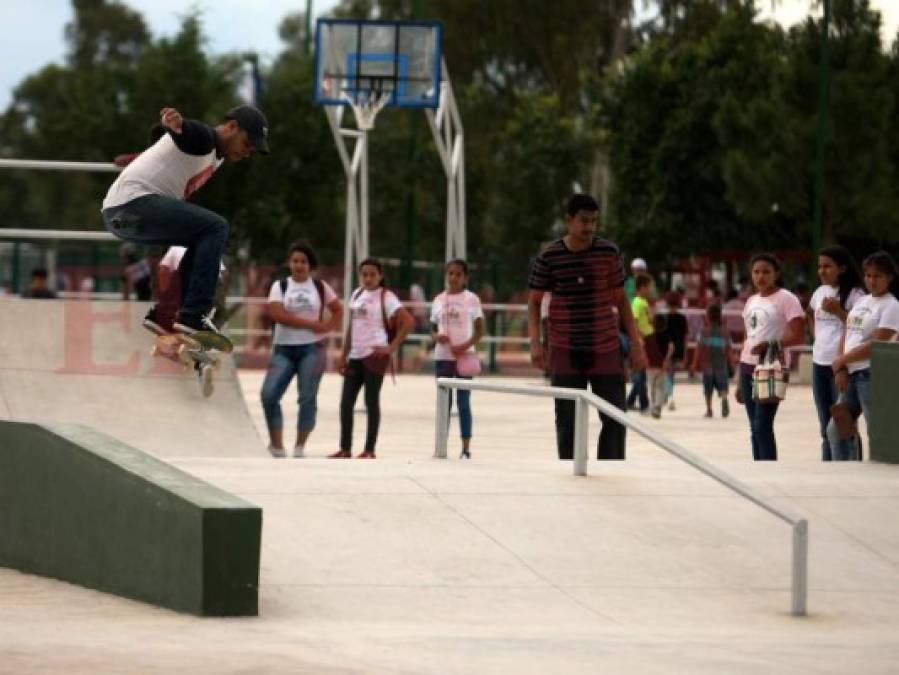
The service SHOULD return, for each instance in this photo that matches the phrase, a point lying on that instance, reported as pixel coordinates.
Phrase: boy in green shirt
(643, 317)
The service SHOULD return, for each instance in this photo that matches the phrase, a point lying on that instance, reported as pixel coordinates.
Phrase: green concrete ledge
(884, 422)
(80, 506)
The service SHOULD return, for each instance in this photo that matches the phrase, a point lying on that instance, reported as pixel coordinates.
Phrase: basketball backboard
(359, 62)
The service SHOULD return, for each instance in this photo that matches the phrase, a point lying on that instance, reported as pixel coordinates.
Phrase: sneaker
(708, 413)
(465, 454)
(657, 411)
(298, 452)
(340, 454)
(368, 454)
(154, 323)
(725, 407)
(194, 323)
(671, 405)
(277, 453)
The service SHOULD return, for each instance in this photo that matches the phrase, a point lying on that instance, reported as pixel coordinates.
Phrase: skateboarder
(146, 202)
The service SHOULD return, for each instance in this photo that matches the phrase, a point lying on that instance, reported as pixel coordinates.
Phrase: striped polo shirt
(582, 311)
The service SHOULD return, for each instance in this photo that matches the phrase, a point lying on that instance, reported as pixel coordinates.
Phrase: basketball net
(366, 108)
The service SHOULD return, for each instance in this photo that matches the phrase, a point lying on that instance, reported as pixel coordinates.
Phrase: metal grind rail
(583, 401)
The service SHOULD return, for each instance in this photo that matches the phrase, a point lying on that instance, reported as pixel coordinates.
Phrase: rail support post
(581, 427)
(800, 568)
(441, 422)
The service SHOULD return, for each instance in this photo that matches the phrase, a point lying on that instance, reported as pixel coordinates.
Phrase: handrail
(583, 400)
(55, 165)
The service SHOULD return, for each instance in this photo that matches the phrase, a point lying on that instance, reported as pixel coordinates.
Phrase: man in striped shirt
(588, 309)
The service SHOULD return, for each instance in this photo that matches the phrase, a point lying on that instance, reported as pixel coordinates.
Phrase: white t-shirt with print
(868, 315)
(301, 299)
(454, 315)
(766, 319)
(829, 328)
(367, 320)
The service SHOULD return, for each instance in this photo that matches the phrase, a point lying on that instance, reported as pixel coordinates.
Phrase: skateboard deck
(193, 352)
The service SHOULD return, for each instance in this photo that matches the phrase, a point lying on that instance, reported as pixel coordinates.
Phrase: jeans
(154, 219)
(448, 369)
(824, 389)
(307, 362)
(638, 390)
(858, 396)
(761, 420)
(357, 376)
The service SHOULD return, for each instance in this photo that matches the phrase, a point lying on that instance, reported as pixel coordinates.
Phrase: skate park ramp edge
(89, 362)
(80, 506)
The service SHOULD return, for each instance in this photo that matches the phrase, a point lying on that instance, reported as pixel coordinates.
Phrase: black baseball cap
(252, 121)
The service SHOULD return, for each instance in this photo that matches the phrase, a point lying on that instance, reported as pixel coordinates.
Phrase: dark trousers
(761, 420)
(154, 219)
(824, 390)
(577, 370)
(356, 377)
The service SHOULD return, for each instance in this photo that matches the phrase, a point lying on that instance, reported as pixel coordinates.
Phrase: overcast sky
(33, 29)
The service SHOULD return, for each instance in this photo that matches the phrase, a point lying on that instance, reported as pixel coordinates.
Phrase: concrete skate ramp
(89, 363)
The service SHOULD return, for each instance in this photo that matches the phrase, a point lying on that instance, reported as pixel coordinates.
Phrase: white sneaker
(276, 452)
(299, 453)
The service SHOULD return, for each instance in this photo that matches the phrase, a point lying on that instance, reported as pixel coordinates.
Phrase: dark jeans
(356, 377)
(824, 390)
(448, 369)
(154, 219)
(577, 372)
(761, 420)
(638, 390)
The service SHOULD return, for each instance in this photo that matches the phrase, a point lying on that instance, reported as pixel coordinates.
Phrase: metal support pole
(581, 428)
(823, 129)
(441, 422)
(800, 568)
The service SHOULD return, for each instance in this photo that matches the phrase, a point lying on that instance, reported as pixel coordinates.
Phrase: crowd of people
(848, 311)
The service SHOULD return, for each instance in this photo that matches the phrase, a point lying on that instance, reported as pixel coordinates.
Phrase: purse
(468, 365)
(769, 381)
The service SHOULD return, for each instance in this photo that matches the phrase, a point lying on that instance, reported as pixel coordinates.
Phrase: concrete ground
(509, 564)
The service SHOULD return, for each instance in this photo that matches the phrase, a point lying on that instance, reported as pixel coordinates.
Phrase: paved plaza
(509, 563)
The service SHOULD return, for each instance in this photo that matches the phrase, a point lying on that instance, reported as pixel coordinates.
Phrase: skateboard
(196, 351)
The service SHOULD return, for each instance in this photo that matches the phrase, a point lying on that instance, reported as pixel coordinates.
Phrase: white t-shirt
(766, 319)
(828, 327)
(368, 322)
(868, 315)
(301, 299)
(164, 169)
(454, 315)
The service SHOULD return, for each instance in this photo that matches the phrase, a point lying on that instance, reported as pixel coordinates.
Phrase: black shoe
(194, 323)
(725, 408)
(153, 322)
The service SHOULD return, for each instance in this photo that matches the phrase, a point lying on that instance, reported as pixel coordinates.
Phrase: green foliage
(703, 118)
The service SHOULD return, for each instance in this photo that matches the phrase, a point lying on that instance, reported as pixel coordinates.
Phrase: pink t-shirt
(454, 315)
(766, 319)
(368, 322)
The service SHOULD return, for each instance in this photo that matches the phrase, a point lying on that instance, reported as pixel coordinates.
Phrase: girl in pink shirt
(368, 346)
(772, 316)
(458, 327)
